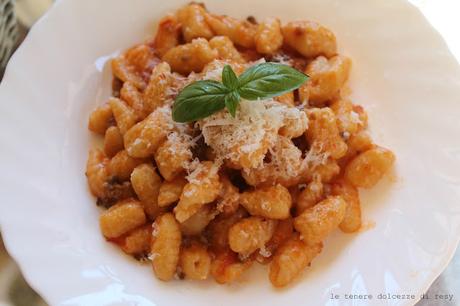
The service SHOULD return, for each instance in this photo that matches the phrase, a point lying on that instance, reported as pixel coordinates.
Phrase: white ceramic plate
(403, 74)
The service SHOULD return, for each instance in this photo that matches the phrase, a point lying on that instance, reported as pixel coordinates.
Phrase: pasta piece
(294, 124)
(168, 34)
(213, 70)
(133, 97)
(291, 259)
(198, 221)
(96, 172)
(170, 192)
(156, 93)
(240, 32)
(173, 155)
(225, 49)
(193, 23)
(357, 143)
(203, 187)
(268, 37)
(101, 119)
(166, 244)
(124, 115)
(309, 38)
(190, 57)
(285, 166)
(113, 141)
(327, 77)
(126, 73)
(107, 189)
(145, 137)
(138, 241)
(122, 218)
(312, 194)
(348, 121)
(317, 222)
(325, 172)
(360, 142)
(283, 231)
(323, 133)
(228, 201)
(245, 158)
(146, 183)
(195, 261)
(217, 231)
(227, 268)
(270, 202)
(122, 165)
(250, 234)
(142, 58)
(135, 65)
(352, 220)
(366, 169)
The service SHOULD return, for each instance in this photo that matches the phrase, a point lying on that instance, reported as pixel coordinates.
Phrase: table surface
(14, 291)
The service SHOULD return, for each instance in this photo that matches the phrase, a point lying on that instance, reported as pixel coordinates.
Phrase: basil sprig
(262, 81)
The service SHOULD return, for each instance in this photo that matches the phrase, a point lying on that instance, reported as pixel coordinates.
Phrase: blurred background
(16, 18)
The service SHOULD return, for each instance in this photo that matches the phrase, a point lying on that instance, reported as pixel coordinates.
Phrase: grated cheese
(180, 143)
(286, 159)
(152, 256)
(195, 170)
(254, 129)
(265, 252)
(190, 192)
(215, 74)
(315, 157)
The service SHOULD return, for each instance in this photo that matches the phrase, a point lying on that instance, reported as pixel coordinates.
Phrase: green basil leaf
(229, 78)
(267, 80)
(232, 100)
(199, 100)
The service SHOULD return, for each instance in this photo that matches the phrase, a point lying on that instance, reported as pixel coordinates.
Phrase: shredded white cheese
(265, 252)
(315, 157)
(249, 135)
